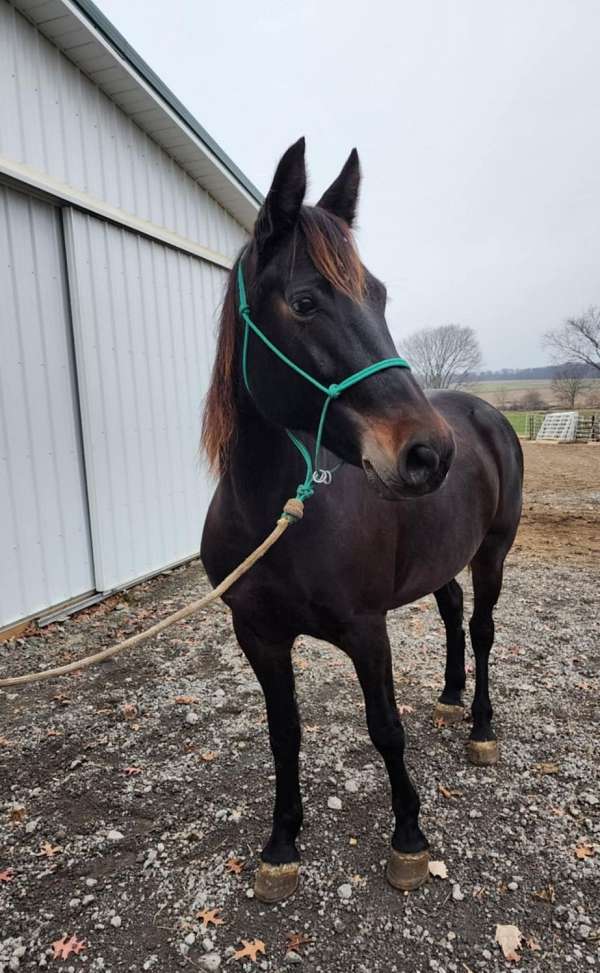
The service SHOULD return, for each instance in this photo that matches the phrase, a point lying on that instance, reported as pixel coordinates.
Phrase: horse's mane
(331, 248)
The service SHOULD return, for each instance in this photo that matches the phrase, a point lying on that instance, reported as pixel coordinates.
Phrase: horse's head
(313, 298)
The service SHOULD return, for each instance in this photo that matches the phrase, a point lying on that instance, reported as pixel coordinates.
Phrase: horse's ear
(342, 196)
(281, 207)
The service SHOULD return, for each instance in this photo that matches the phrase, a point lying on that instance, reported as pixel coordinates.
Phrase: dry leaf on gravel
(4, 742)
(438, 869)
(132, 771)
(185, 700)
(546, 895)
(17, 814)
(405, 708)
(509, 940)
(296, 940)
(64, 947)
(129, 711)
(210, 917)
(448, 792)
(250, 949)
(533, 944)
(7, 875)
(584, 850)
(48, 850)
(235, 866)
(312, 728)
(208, 755)
(547, 768)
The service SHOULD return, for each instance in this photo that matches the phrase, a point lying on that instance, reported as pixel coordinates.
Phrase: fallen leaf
(208, 755)
(405, 708)
(49, 850)
(546, 895)
(64, 947)
(210, 917)
(296, 940)
(235, 866)
(438, 869)
(251, 948)
(53, 733)
(448, 792)
(584, 850)
(185, 700)
(353, 841)
(546, 768)
(129, 711)
(509, 940)
(17, 814)
(533, 944)
(5, 742)
(132, 771)
(313, 728)
(439, 723)
(7, 875)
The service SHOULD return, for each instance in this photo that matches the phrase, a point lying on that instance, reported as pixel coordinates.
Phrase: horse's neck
(264, 469)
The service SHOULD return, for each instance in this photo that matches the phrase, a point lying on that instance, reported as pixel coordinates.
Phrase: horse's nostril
(421, 462)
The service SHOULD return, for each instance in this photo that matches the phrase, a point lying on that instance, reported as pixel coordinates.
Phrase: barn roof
(85, 36)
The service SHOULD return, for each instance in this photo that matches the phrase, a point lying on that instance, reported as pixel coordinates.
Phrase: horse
(426, 484)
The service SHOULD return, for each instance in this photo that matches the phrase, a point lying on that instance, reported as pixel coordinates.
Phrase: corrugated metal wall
(45, 551)
(143, 317)
(53, 118)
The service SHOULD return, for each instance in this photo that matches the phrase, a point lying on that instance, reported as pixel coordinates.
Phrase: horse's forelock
(331, 248)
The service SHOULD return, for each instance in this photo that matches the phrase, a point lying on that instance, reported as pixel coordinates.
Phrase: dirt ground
(125, 790)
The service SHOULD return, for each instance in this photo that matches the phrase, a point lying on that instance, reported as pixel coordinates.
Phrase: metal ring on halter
(322, 476)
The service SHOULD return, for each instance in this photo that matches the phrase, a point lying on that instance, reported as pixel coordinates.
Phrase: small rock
(338, 925)
(292, 957)
(513, 886)
(31, 826)
(74, 903)
(90, 882)
(457, 895)
(115, 835)
(249, 893)
(88, 899)
(351, 786)
(345, 891)
(116, 922)
(583, 931)
(190, 939)
(334, 803)
(211, 961)
(191, 717)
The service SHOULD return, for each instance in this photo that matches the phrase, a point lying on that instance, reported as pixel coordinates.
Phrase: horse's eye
(303, 306)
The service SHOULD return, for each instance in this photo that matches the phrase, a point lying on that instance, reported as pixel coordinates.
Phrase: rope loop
(333, 391)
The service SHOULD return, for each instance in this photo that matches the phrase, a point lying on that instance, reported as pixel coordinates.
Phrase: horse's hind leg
(450, 706)
(367, 644)
(487, 568)
(277, 875)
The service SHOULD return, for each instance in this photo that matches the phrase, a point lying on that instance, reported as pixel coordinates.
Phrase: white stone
(345, 891)
(115, 835)
(116, 922)
(334, 803)
(210, 962)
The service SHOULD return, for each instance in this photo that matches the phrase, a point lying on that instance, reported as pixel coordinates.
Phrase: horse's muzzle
(419, 467)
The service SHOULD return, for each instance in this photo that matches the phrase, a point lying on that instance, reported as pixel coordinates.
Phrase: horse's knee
(387, 736)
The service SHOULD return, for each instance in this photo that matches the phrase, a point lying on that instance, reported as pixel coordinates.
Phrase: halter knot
(333, 391)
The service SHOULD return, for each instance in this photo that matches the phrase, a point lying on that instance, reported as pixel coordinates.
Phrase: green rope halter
(305, 489)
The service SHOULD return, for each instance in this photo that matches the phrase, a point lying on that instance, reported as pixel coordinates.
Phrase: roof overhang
(90, 41)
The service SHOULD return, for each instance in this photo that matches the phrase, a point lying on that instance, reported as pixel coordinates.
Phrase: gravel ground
(126, 790)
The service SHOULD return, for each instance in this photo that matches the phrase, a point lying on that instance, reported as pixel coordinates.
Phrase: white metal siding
(54, 119)
(143, 317)
(45, 553)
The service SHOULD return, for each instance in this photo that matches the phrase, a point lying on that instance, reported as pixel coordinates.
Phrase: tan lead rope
(292, 512)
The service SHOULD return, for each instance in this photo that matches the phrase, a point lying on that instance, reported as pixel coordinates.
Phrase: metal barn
(119, 217)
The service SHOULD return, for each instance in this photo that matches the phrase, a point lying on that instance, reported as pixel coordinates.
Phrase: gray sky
(477, 123)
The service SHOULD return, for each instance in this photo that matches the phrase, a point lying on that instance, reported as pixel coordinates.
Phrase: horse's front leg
(367, 644)
(277, 875)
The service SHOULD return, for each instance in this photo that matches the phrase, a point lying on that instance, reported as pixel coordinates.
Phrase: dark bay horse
(451, 463)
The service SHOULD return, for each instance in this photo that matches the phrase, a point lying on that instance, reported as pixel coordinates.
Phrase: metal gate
(45, 548)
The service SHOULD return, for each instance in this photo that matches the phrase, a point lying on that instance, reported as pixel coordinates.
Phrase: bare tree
(568, 384)
(578, 339)
(443, 357)
(501, 396)
(532, 401)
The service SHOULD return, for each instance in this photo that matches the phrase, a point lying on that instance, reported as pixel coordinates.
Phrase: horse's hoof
(406, 871)
(272, 883)
(448, 712)
(482, 753)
